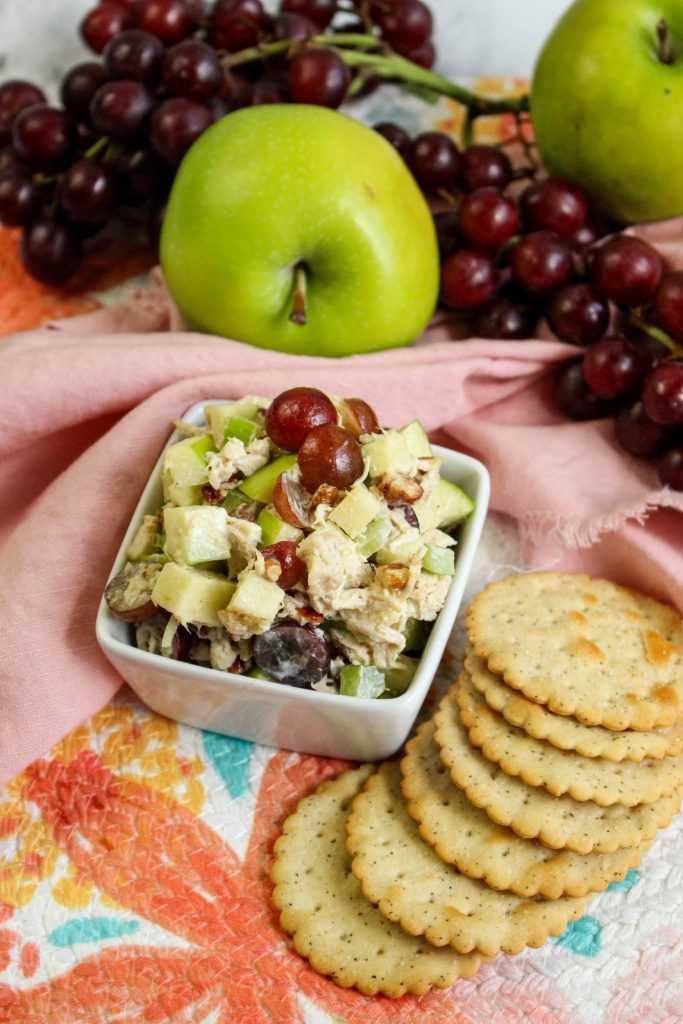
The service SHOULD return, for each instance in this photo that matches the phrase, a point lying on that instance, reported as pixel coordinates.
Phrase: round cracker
(411, 885)
(583, 647)
(540, 764)
(464, 835)
(567, 733)
(331, 923)
(558, 821)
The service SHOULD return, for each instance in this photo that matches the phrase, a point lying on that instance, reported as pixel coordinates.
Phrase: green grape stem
(637, 319)
(355, 50)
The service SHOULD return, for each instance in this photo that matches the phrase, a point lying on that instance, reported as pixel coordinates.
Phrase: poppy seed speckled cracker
(331, 923)
(558, 821)
(583, 647)
(464, 835)
(540, 764)
(404, 876)
(567, 733)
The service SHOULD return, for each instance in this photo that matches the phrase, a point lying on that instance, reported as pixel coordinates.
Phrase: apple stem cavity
(299, 315)
(665, 50)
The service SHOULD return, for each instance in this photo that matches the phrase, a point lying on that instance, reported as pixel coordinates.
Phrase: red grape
(670, 468)
(292, 501)
(50, 251)
(79, 86)
(11, 161)
(320, 12)
(448, 234)
(358, 417)
(237, 24)
(468, 279)
(574, 397)
(19, 198)
(293, 26)
(406, 24)
(484, 165)
(554, 205)
(487, 218)
(44, 137)
(134, 54)
(293, 413)
(637, 433)
(663, 394)
(397, 136)
(424, 55)
(175, 124)
(120, 109)
(612, 367)
(627, 270)
(578, 314)
(329, 455)
(587, 235)
(141, 174)
(435, 160)
(168, 20)
(668, 306)
(266, 92)
(319, 76)
(103, 23)
(88, 192)
(292, 568)
(541, 262)
(192, 69)
(293, 654)
(15, 96)
(502, 319)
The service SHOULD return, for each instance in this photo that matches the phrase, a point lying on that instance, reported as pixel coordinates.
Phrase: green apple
(606, 104)
(296, 228)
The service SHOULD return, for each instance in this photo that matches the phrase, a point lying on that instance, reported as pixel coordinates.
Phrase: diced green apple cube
(389, 453)
(361, 681)
(261, 484)
(399, 678)
(144, 541)
(445, 507)
(416, 634)
(399, 550)
(185, 461)
(180, 496)
(373, 537)
(192, 595)
(256, 597)
(440, 561)
(356, 510)
(233, 499)
(244, 430)
(416, 438)
(196, 534)
(274, 529)
(217, 416)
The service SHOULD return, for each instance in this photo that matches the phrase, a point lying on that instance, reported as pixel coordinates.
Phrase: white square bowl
(328, 724)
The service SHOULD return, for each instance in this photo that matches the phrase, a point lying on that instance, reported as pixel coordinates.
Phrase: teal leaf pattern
(90, 929)
(231, 758)
(583, 936)
(632, 877)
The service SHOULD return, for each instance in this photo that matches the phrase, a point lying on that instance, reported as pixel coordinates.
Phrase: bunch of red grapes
(509, 258)
(164, 77)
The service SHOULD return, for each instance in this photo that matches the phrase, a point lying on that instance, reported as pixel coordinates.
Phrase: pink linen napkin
(86, 404)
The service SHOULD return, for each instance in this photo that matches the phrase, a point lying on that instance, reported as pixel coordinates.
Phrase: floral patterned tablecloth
(134, 856)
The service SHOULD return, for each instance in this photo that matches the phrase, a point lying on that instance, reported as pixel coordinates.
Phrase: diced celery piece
(388, 452)
(440, 561)
(257, 673)
(274, 529)
(356, 510)
(399, 678)
(261, 484)
(416, 438)
(185, 461)
(197, 534)
(416, 634)
(244, 430)
(192, 595)
(373, 537)
(361, 681)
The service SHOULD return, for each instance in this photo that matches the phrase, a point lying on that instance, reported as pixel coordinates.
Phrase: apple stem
(666, 50)
(299, 315)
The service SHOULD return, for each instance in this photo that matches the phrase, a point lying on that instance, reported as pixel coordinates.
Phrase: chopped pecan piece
(400, 489)
(326, 494)
(394, 576)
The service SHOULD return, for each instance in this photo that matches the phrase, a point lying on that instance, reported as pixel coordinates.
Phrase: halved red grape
(292, 501)
(554, 205)
(134, 54)
(578, 314)
(329, 455)
(44, 137)
(482, 166)
(15, 96)
(320, 12)
(168, 20)
(191, 68)
(574, 397)
(88, 192)
(293, 413)
(293, 654)
(487, 218)
(468, 279)
(627, 270)
(612, 367)
(637, 433)
(434, 159)
(292, 568)
(320, 77)
(541, 262)
(103, 23)
(668, 306)
(670, 468)
(358, 417)
(175, 124)
(663, 394)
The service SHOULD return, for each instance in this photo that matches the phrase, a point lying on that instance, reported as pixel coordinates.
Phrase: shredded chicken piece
(148, 634)
(234, 460)
(429, 472)
(243, 536)
(223, 654)
(428, 596)
(336, 571)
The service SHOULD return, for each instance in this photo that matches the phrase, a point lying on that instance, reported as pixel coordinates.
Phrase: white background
(38, 38)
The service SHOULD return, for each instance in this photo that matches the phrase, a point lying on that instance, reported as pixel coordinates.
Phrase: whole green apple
(296, 228)
(607, 105)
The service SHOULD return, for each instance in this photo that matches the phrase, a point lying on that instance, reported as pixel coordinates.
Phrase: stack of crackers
(543, 776)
